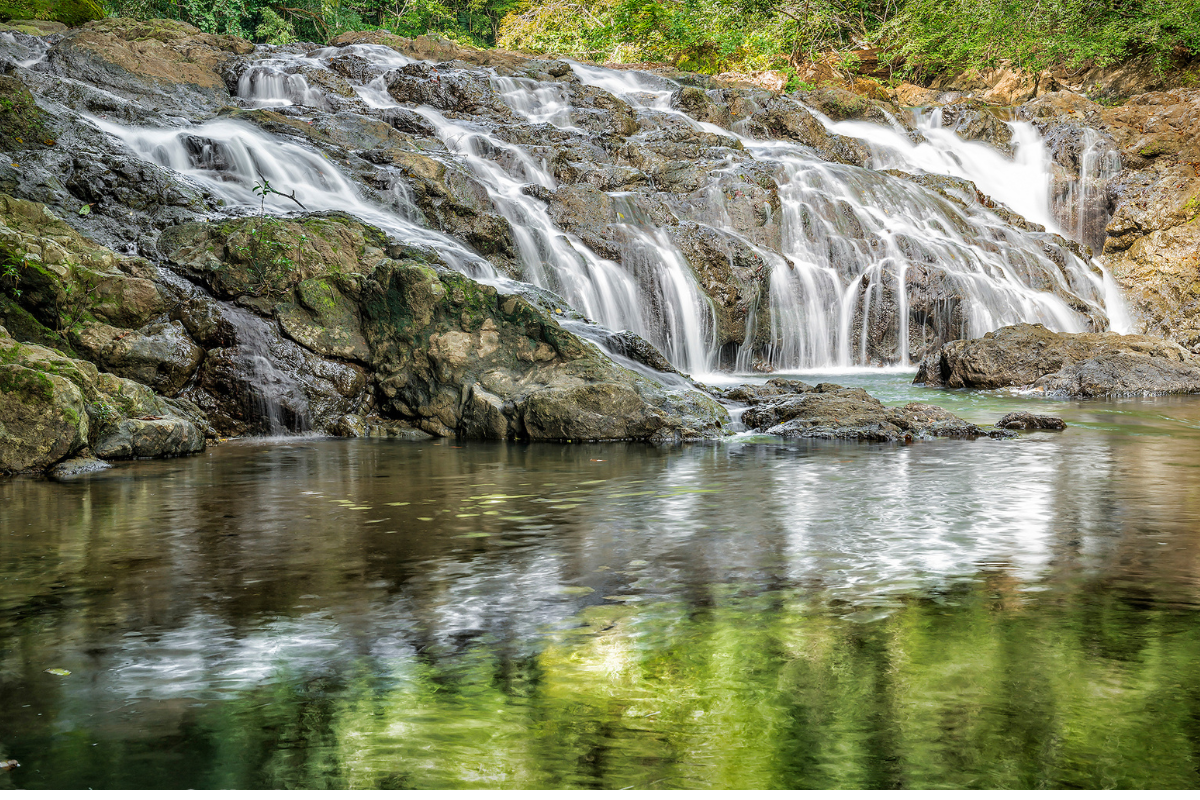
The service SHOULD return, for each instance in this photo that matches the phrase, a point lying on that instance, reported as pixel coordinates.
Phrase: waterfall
(870, 269)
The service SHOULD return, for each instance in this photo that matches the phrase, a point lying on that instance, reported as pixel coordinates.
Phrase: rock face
(458, 357)
(1069, 364)
(53, 407)
(829, 411)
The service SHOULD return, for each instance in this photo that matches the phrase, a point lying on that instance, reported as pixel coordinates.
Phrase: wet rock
(1071, 364)
(150, 438)
(829, 411)
(1025, 421)
(974, 121)
(696, 103)
(324, 321)
(161, 356)
(756, 393)
(454, 90)
(785, 119)
(454, 356)
(735, 278)
(841, 104)
(630, 345)
(74, 467)
(268, 255)
(117, 417)
(64, 277)
(42, 417)
(23, 125)
(171, 62)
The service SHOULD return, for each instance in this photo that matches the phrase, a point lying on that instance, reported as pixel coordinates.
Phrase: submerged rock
(1070, 364)
(74, 467)
(1025, 421)
(829, 411)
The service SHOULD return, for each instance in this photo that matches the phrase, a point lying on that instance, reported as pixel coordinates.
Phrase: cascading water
(228, 158)
(1081, 205)
(853, 237)
(871, 268)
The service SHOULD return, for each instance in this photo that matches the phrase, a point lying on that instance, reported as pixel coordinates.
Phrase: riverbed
(757, 613)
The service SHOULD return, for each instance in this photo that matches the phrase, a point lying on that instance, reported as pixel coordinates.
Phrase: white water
(229, 157)
(858, 247)
(817, 298)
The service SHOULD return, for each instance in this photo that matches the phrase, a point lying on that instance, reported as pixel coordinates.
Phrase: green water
(752, 614)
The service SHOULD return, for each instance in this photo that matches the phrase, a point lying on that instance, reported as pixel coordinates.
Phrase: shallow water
(756, 613)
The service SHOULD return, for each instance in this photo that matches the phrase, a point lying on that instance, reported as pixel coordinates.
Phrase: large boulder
(161, 62)
(458, 357)
(829, 411)
(53, 406)
(1071, 364)
(161, 355)
(42, 418)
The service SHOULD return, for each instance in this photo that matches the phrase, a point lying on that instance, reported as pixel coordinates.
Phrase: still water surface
(756, 613)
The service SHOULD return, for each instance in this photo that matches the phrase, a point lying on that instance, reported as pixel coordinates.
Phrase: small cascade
(277, 402)
(656, 300)
(268, 85)
(229, 158)
(1081, 204)
(537, 102)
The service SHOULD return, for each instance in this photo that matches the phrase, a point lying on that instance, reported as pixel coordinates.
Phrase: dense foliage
(926, 36)
(473, 22)
(931, 35)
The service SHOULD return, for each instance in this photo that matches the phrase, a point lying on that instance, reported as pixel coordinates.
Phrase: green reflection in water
(983, 685)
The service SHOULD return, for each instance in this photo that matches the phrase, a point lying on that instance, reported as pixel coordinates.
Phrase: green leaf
(57, 671)
(85, 210)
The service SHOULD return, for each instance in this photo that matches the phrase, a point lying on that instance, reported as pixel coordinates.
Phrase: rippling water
(756, 613)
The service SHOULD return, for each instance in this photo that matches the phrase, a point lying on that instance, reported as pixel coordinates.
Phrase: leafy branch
(265, 188)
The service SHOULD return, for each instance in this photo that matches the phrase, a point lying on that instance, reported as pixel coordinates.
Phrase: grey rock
(1070, 364)
(1026, 421)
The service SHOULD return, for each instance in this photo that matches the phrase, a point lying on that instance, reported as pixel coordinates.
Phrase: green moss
(28, 383)
(22, 122)
(68, 12)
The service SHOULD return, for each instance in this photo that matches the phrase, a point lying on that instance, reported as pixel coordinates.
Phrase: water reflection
(756, 614)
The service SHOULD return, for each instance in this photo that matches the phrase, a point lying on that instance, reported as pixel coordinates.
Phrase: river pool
(759, 613)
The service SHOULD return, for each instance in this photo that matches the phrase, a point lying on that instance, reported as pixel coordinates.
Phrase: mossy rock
(42, 419)
(23, 126)
(68, 12)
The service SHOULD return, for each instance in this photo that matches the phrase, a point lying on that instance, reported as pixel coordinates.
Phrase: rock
(1071, 364)
(756, 393)
(169, 61)
(455, 90)
(23, 125)
(116, 417)
(161, 356)
(42, 417)
(74, 467)
(1025, 421)
(150, 438)
(268, 255)
(785, 119)
(974, 121)
(459, 357)
(829, 411)
(65, 278)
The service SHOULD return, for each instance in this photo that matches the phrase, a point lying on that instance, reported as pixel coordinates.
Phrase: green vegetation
(473, 22)
(68, 12)
(917, 37)
(926, 36)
